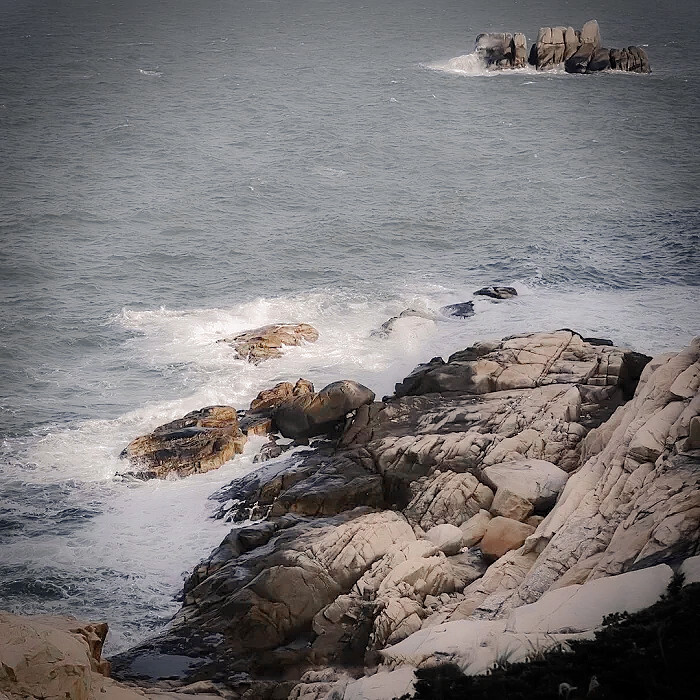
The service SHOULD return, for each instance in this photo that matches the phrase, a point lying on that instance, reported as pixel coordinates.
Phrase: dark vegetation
(653, 654)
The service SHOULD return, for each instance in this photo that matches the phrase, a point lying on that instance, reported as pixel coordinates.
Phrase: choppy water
(174, 172)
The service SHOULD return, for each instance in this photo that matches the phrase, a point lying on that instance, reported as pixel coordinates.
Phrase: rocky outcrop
(516, 473)
(199, 442)
(266, 342)
(578, 51)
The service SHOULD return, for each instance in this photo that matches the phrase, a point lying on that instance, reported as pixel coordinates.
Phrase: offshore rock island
(497, 505)
(578, 51)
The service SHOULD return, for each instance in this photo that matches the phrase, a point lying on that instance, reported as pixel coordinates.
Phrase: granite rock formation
(514, 471)
(578, 51)
(199, 442)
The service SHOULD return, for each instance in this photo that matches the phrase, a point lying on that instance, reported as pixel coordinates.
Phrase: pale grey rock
(447, 538)
(535, 480)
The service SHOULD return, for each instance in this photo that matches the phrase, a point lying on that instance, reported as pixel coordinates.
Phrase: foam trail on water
(471, 64)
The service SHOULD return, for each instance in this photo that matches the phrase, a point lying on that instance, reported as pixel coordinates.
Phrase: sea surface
(174, 172)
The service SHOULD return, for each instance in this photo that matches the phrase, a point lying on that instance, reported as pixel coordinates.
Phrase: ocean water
(174, 172)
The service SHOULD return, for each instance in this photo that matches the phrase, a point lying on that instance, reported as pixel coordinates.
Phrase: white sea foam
(472, 64)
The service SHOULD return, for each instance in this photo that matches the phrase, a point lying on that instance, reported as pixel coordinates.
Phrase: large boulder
(599, 61)
(257, 419)
(502, 535)
(269, 399)
(266, 342)
(319, 413)
(199, 442)
(536, 480)
(578, 62)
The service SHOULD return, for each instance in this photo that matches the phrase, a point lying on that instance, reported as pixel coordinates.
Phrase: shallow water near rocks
(172, 178)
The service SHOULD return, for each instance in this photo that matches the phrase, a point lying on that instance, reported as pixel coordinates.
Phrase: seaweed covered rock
(199, 442)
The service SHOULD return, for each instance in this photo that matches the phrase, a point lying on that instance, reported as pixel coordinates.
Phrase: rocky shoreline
(505, 498)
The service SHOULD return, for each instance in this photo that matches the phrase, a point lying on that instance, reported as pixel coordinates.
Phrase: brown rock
(271, 398)
(474, 528)
(511, 505)
(502, 535)
(266, 342)
(199, 442)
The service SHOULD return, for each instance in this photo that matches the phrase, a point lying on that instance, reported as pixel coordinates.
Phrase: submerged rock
(266, 342)
(199, 442)
(463, 309)
(393, 323)
(497, 292)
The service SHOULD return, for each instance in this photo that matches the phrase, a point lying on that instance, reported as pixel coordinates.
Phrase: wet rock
(599, 61)
(495, 49)
(464, 309)
(270, 450)
(199, 442)
(578, 62)
(243, 612)
(632, 59)
(320, 413)
(497, 292)
(266, 342)
(269, 399)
